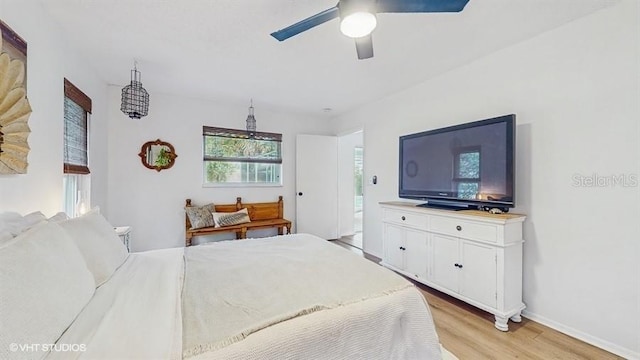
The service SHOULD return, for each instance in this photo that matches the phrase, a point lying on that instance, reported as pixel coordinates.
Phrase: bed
(68, 285)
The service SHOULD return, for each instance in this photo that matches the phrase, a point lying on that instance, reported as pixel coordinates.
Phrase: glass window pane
(469, 165)
(76, 194)
(226, 172)
(467, 190)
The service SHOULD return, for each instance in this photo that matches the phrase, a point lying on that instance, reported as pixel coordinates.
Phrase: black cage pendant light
(251, 122)
(135, 99)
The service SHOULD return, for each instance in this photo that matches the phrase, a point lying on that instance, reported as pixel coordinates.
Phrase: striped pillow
(231, 218)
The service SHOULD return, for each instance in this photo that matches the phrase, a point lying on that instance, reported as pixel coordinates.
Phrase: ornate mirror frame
(163, 155)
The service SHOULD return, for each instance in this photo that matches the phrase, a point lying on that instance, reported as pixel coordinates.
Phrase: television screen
(468, 165)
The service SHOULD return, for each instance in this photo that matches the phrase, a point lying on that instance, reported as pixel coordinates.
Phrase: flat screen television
(467, 166)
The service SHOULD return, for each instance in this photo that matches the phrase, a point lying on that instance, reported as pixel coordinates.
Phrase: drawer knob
(459, 228)
(403, 218)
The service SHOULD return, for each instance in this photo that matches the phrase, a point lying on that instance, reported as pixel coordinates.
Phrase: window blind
(76, 108)
(240, 134)
(233, 145)
(77, 96)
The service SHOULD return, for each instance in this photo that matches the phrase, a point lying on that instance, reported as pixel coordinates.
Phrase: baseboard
(590, 339)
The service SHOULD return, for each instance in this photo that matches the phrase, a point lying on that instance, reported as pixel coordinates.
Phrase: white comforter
(295, 297)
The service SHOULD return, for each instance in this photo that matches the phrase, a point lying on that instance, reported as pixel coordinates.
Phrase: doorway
(351, 188)
(358, 194)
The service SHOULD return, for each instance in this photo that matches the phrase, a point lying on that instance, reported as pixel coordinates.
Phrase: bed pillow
(5, 237)
(97, 240)
(8, 220)
(231, 218)
(15, 223)
(8, 223)
(61, 216)
(44, 284)
(200, 216)
(30, 220)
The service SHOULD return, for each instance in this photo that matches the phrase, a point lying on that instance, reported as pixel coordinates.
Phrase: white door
(417, 253)
(393, 245)
(317, 185)
(445, 263)
(479, 272)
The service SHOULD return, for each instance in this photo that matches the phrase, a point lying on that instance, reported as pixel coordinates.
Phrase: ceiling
(221, 50)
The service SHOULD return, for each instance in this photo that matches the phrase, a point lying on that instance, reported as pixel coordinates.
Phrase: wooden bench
(262, 215)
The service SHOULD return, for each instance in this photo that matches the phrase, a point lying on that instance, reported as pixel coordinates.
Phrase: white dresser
(471, 255)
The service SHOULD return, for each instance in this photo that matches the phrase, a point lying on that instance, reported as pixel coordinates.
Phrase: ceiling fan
(358, 18)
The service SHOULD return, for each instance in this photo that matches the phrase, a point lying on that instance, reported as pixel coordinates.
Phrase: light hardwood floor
(468, 332)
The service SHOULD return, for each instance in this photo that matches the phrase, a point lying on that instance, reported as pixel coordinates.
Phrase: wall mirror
(157, 155)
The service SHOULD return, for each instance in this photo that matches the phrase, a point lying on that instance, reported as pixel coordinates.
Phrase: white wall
(50, 60)
(346, 145)
(576, 96)
(153, 202)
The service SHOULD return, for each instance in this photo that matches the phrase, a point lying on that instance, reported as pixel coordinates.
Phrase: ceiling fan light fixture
(358, 24)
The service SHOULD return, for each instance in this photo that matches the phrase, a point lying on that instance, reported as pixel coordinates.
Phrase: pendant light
(135, 99)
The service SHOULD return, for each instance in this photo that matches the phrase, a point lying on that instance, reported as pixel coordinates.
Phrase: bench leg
(187, 241)
(243, 233)
(280, 230)
(288, 229)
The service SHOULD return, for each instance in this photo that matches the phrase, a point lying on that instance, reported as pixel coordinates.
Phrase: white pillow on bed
(44, 284)
(8, 220)
(30, 220)
(61, 216)
(15, 223)
(5, 237)
(97, 240)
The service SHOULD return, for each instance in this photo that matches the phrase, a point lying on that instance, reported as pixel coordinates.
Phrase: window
(231, 157)
(76, 179)
(467, 172)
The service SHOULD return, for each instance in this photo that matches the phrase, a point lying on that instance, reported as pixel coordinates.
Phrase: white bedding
(235, 289)
(137, 313)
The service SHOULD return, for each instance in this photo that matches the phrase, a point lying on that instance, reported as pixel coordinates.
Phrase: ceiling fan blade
(364, 47)
(306, 24)
(417, 6)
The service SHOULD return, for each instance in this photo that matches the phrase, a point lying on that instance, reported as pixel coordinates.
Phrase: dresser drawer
(405, 218)
(463, 228)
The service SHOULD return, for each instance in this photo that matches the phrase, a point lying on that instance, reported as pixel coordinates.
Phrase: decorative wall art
(14, 105)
